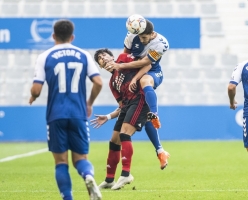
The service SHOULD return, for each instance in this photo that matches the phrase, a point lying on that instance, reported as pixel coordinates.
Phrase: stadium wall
(178, 123)
(94, 32)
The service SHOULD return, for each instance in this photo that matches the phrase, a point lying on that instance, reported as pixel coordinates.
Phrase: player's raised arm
(102, 119)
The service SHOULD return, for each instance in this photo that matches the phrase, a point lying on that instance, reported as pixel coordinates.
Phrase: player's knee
(146, 81)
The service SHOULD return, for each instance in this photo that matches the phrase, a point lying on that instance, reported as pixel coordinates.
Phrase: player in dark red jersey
(132, 113)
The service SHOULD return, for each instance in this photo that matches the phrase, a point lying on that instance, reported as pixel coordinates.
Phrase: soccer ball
(136, 24)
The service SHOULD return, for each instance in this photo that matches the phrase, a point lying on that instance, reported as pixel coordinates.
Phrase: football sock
(151, 98)
(84, 167)
(63, 181)
(112, 161)
(126, 151)
(153, 135)
(125, 173)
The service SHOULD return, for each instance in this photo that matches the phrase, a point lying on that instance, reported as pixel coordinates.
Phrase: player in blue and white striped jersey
(65, 68)
(240, 73)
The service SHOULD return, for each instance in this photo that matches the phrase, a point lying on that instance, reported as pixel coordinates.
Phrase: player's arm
(134, 64)
(235, 80)
(126, 50)
(231, 95)
(35, 92)
(133, 84)
(38, 79)
(102, 119)
(96, 88)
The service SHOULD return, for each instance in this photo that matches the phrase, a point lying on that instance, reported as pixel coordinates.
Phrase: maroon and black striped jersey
(120, 80)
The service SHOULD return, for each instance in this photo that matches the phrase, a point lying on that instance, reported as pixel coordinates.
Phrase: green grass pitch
(197, 170)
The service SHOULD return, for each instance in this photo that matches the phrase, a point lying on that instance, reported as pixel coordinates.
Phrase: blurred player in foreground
(240, 73)
(132, 113)
(65, 67)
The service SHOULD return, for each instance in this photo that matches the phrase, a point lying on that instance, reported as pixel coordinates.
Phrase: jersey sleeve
(40, 74)
(156, 51)
(92, 69)
(124, 58)
(129, 40)
(236, 74)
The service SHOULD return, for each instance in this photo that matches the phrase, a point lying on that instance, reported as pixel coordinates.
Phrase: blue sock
(84, 167)
(63, 181)
(151, 98)
(153, 135)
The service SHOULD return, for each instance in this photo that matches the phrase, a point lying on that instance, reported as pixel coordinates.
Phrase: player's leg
(135, 119)
(148, 82)
(58, 145)
(112, 160)
(153, 135)
(78, 138)
(127, 131)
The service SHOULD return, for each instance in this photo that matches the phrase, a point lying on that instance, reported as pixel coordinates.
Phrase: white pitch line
(126, 191)
(31, 153)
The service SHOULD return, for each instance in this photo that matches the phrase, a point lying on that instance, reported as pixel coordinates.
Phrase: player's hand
(31, 100)
(98, 121)
(110, 66)
(233, 105)
(132, 86)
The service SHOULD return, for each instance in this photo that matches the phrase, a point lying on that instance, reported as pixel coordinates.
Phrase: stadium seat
(191, 74)
(15, 75)
(142, 8)
(76, 10)
(209, 9)
(217, 87)
(11, 1)
(186, 9)
(119, 9)
(170, 87)
(213, 28)
(22, 59)
(164, 9)
(55, 1)
(172, 99)
(207, 60)
(196, 99)
(213, 74)
(97, 9)
(194, 87)
(4, 59)
(229, 60)
(218, 99)
(53, 10)
(32, 9)
(183, 59)
(171, 74)
(10, 9)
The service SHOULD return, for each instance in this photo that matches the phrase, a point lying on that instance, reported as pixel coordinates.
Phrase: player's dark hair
(101, 51)
(63, 29)
(149, 28)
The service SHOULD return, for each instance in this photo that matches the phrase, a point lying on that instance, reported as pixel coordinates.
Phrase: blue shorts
(157, 77)
(64, 134)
